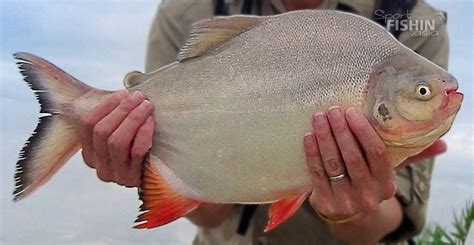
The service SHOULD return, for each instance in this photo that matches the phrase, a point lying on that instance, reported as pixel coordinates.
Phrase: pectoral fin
(283, 210)
(134, 78)
(161, 204)
(209, 34)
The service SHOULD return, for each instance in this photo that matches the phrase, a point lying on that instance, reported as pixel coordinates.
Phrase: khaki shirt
(170, 30)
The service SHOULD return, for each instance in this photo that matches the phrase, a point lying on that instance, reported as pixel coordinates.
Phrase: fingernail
(145, 105)
(351, 112)
(136, 96)
(319, 118)
(335, 112)
(308, 139)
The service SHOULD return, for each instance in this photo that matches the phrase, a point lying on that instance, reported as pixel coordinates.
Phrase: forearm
(210, 215)
(371, 227)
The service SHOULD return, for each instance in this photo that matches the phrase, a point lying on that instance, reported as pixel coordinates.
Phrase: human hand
(347, 144)
(116, 135)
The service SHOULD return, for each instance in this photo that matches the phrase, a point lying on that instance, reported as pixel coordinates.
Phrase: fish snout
(450, 83)
(453, 100)
(451, 88)
(454, 97)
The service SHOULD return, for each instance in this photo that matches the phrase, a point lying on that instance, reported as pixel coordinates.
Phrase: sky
(99, 42)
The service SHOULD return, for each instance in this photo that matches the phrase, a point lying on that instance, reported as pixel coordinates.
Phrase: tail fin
(54, 140)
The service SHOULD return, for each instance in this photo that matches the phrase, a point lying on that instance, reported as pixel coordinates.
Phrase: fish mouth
(453, 91)
(452, 101)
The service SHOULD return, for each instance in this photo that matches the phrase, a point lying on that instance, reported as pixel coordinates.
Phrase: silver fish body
(229, 124)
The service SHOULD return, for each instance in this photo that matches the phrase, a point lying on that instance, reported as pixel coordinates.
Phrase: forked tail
(55, 139)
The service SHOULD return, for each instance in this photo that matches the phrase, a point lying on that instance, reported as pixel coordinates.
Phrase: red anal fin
(161, 204)
(283, 209)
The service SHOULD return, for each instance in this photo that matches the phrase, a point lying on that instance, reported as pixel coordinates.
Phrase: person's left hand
(347, 144)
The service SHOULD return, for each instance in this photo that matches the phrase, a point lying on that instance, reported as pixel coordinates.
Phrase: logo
(407, 22)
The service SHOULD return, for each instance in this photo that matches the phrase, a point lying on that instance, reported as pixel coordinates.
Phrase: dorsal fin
(134, 78)
(209, 34)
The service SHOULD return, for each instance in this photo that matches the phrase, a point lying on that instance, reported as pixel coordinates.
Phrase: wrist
(339, 221)
(370, 227)
(355, 231)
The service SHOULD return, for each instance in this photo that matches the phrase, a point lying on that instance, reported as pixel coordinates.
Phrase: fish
(231, 112)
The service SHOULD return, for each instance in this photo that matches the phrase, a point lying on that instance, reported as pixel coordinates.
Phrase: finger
(332, 160)
(320, 180)
(141, 146)
(120, 141)
(375, 150)
(87, 155)
(105, 127)
(437, 148)
(90, 119)
(353, 157)
(104, 108)
(321, 199)
(104, 173)
(355, 163)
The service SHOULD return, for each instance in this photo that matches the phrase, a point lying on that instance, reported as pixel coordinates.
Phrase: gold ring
(336, 222)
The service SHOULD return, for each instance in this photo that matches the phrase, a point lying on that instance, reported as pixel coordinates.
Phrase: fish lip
(451, 95)
(454, 95)
(453, 91)
(453, 100)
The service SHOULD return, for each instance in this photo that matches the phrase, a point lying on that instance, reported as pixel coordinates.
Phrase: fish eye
(423, 90)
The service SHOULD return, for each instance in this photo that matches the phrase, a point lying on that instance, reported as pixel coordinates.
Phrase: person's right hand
(116, 135)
